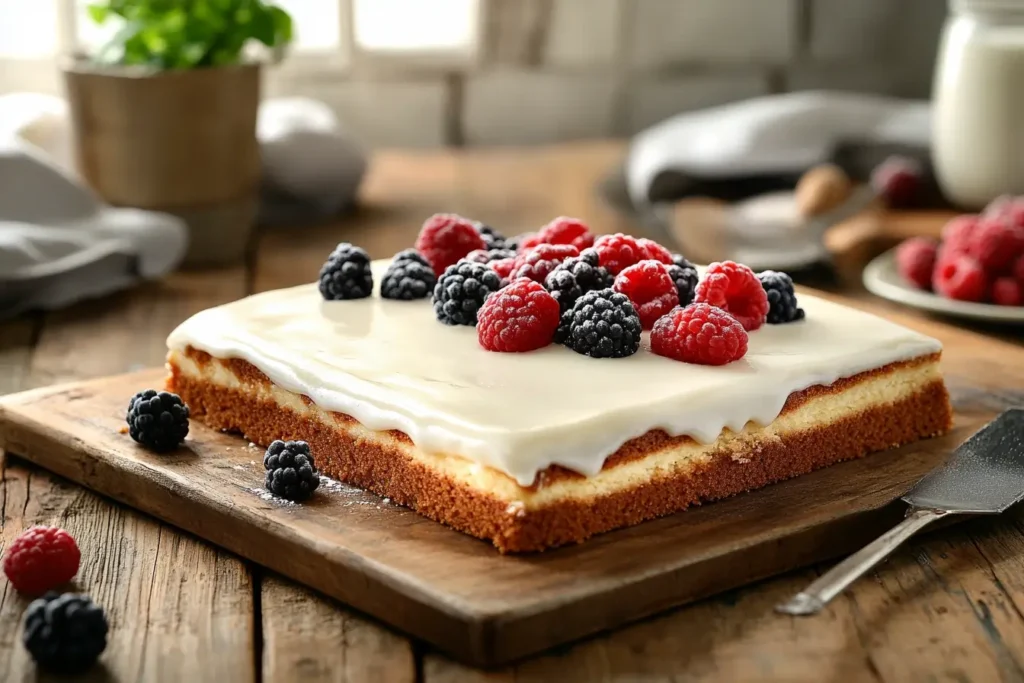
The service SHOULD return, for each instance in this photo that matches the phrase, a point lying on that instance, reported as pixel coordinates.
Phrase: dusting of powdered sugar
(266, 495)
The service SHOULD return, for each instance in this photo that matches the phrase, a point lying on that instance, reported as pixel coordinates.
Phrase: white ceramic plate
(882, 278)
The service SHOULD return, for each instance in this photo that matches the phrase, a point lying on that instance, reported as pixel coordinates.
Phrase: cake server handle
(813, 599)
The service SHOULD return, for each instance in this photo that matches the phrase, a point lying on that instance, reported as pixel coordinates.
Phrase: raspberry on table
(654, 251)
(957, 232)
(618, 251)
(649, 288)
(565, 230)
(1007, 207)
(541, 260)
(735, 289)
(782, 304)
(408, 279)
(915, 261)
(461, 291)
(526, 241)
(960, 277)
(41, 559)
(699, 333)
(898, 180)
(602, 324)
(445, 238)
(521, 317)
(65, 633)
(157, 419)
(995, 244)
(291, 471)
(1018, 269)
(491, 237)
(346, 274)
(576, 276)
(684, 275)
(1007, 291)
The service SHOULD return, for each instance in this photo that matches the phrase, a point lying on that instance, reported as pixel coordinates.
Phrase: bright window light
(28, 28)
(416, 25)
(317, 23)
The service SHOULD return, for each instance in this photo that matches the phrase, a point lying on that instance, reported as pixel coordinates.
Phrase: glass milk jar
(978, 124)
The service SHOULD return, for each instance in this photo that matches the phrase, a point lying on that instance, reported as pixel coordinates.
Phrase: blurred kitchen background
(483, 72)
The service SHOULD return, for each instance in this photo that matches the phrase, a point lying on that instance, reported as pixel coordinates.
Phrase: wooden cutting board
(457, 592)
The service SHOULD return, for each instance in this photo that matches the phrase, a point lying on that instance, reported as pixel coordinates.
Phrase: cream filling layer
(815, 413)
(391, 365)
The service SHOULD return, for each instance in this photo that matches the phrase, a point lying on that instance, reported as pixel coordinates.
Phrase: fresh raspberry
(565, 230)
(1018, 270)
(445, 238)
(541, 260)
(915, 260)
(735, 289)
(996, 244)
(520, 317)
(618, 251)
(701, 334)
(527, 242)
(960, 277)
(898, 181)
(503, 267)
(649, 288)
(654, 251)
(1007, 291)
(1008, 208)
(956, 234)
(40, 559)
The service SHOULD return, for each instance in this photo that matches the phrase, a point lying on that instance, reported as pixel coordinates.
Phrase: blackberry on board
(684, 275)
(461, 291)
(410, 255)
(157, 419)
(408, 279)
(65, 633)
(603, 324)
(291, 472)
(346, 274)
(782, 303)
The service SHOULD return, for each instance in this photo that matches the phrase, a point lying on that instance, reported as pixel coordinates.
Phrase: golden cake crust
(384, 467)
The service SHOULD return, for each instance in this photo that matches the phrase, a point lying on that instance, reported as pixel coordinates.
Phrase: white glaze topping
(392, 365)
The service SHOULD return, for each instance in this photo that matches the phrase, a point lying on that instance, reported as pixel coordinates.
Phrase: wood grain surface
(947, 607)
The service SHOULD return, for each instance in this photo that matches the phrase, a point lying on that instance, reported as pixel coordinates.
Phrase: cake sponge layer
(649, 476)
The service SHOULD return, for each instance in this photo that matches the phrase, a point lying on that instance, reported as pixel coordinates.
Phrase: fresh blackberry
(492, 238)
(461, 290)
(576, 276)
(684, 275)
(157, 420)
(408, 279)
(488, 255)
(346, 274)
(291, 472)
(410, 255)
(782, 304)
(603, 324)
(65, 633)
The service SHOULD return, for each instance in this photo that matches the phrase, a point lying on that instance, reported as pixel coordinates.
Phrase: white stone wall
(553, 70)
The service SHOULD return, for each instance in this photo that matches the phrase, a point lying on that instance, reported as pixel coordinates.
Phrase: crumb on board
(122, 430)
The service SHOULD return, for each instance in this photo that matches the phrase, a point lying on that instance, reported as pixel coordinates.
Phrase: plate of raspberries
(975, 270)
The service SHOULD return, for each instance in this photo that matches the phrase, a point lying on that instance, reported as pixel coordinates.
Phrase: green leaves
(189, 34)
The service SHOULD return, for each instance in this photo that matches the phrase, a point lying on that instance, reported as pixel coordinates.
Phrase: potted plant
(164, 114)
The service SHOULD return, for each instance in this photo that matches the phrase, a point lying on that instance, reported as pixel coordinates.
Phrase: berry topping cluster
(980, 258)
(594, 296)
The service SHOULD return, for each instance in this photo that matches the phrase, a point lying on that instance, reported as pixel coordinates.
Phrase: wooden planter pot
(182, 142)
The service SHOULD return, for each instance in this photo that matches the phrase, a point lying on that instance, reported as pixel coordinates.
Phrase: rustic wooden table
(950, 606)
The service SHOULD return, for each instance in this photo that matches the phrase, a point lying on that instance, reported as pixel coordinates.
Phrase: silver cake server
(985, 475)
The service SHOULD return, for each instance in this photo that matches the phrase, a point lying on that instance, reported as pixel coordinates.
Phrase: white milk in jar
(978, 127)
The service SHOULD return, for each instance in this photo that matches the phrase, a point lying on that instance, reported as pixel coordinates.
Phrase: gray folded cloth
(59, 244)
